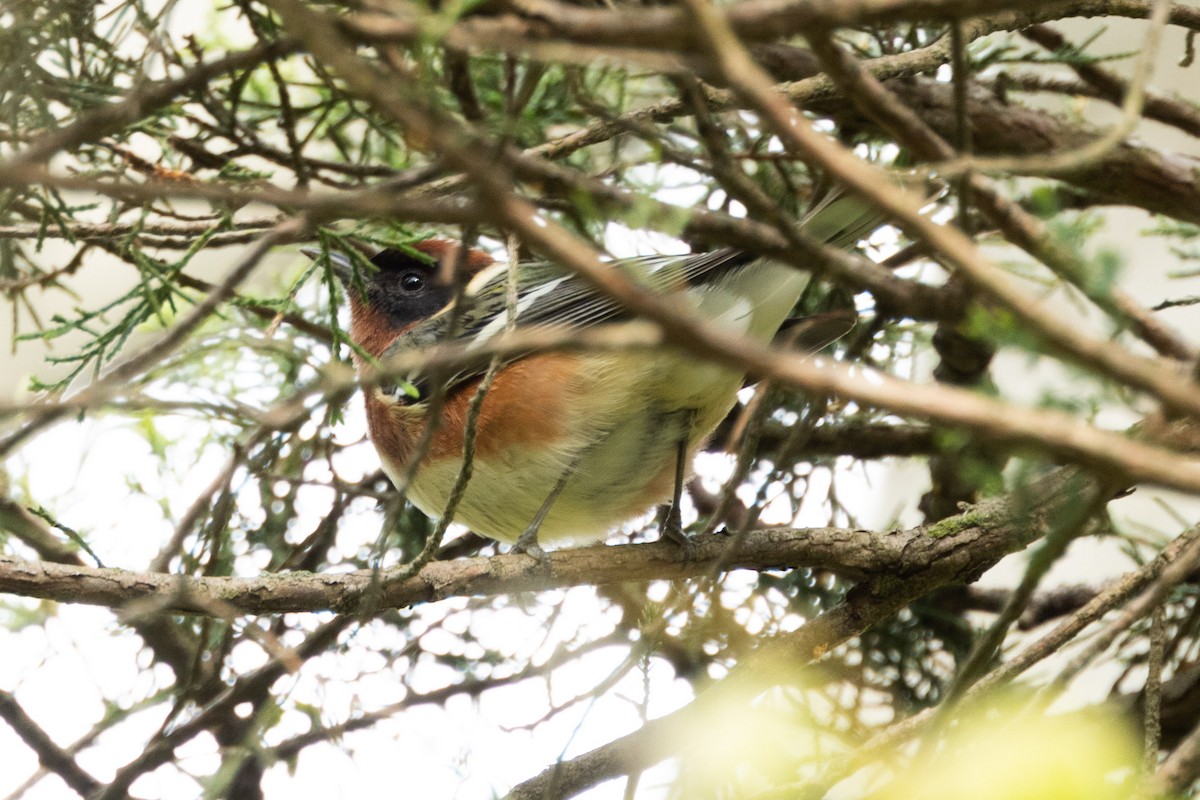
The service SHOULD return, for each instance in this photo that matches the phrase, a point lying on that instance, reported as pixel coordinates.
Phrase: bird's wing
(549, 295)
(556, 297)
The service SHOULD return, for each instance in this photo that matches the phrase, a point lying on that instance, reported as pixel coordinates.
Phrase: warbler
(568, 445)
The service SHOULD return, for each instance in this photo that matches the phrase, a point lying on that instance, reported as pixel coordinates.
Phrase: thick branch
(1132, 173)
(659, 28)
(999, 526)
(855, 439)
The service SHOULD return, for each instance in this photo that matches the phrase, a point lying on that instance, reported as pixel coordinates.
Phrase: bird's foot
(528, 544)
(672, 528)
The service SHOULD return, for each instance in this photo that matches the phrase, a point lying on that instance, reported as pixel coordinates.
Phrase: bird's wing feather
(549, 295)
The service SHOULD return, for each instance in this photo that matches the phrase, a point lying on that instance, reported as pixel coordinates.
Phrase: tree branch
(853, 553)
(50, 755)
(134, 108)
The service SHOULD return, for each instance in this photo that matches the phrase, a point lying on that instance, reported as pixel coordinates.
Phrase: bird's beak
(339, 263)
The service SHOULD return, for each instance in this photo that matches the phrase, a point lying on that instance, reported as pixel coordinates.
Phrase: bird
(568, 445)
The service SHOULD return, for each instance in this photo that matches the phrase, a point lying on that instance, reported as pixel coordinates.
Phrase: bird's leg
(527, 543)
(673, 521)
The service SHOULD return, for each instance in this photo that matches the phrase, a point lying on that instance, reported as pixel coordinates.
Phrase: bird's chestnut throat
(391, 306)
(370, 329)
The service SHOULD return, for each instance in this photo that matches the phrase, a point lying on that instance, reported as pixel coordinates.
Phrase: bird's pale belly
(623, 417)
(618, 463)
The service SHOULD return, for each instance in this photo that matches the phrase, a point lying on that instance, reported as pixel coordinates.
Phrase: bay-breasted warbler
(569, 444)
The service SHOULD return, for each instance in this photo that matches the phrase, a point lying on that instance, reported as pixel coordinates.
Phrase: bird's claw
(527, 543)
(672, 529)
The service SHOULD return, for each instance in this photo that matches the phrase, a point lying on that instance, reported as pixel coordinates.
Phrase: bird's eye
(412, 281)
